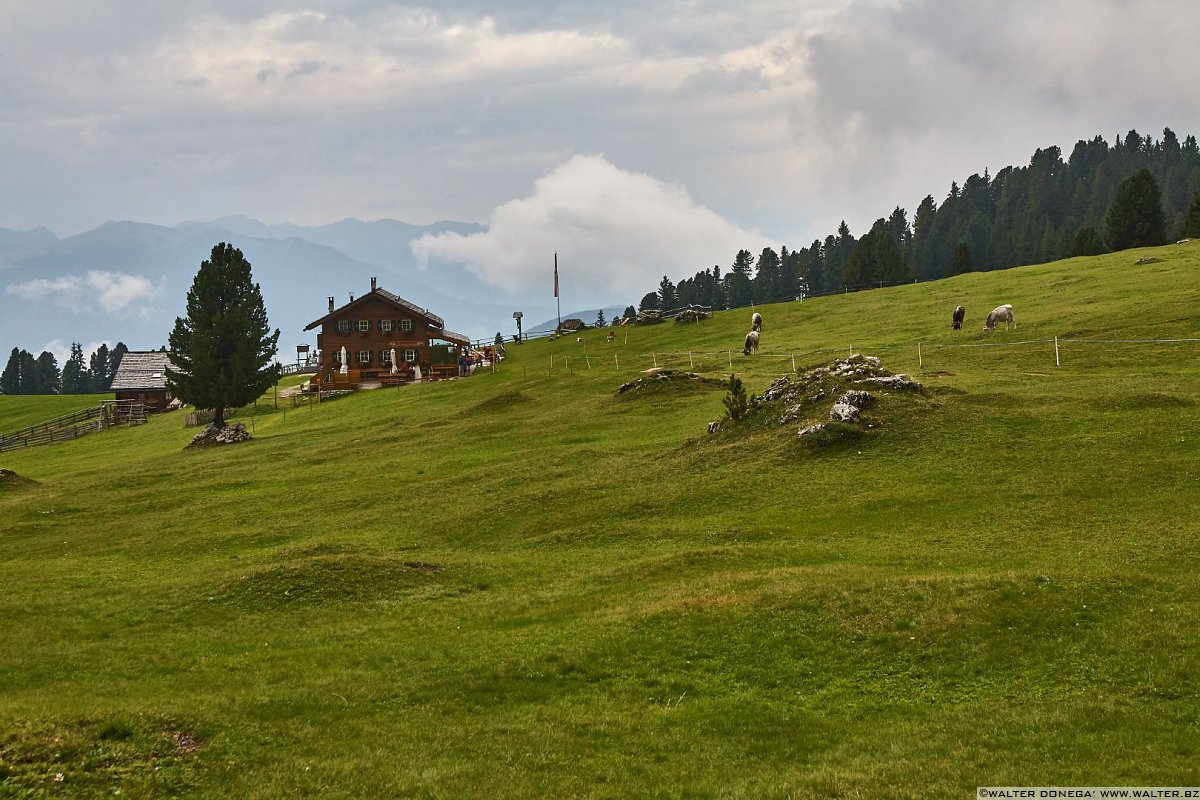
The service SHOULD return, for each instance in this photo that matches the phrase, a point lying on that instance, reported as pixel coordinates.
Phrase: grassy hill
(528, 584)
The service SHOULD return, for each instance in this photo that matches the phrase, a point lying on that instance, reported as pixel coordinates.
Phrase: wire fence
(916, 353)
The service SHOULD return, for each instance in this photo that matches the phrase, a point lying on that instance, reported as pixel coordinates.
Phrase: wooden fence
(71, 426)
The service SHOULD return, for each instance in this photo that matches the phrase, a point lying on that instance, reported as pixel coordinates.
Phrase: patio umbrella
(345, 358)
(416, 372)
(393, 361)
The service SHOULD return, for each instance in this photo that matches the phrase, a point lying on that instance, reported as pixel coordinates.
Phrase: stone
(843, 412)
(820, 426)
(858, 398)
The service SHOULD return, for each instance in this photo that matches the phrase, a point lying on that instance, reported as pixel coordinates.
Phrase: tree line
(25, 374)
(1136, 192)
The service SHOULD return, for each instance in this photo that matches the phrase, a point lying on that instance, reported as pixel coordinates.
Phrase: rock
(690, 315)
(572, 324)
(858, 398)
(820, 426)
(212, 436)
(791, 414)
(648, 317)
(900, 382)
(843, 412)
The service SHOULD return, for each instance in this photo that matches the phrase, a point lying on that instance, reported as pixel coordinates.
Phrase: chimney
(372, 283)
(351, 297)
(331, 302)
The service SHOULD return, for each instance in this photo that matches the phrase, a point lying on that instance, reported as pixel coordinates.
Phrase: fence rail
(79, 423)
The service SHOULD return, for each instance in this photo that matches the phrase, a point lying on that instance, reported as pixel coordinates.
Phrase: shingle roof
(142, 370)
(386, 295)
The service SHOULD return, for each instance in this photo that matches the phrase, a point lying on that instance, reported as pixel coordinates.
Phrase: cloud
(112, 292)
(614, 231)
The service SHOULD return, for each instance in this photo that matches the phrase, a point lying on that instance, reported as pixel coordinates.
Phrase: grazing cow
(1000, 314)
(756, 322)
(957, 320)
(751, 343)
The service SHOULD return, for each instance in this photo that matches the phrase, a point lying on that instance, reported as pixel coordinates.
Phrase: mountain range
(128, 281)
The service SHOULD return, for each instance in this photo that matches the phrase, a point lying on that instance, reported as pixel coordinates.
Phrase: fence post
(793, 363)
(1057, 363)
(730, 354)
(691, 364)
(654, 358)
(588, 359)
(616, 364)
(920, 358)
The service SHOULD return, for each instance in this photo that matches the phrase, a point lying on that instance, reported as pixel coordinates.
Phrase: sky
(635, 139)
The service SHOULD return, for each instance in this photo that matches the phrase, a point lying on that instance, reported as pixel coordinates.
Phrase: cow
(756, 322)
(751, 343)
(957, 320)
(1000, 314)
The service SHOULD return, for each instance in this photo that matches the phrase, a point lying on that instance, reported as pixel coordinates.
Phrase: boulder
(212, 436)
(843, 412)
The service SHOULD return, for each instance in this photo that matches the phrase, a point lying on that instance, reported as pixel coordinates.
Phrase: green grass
(21, 411)
(526, 584)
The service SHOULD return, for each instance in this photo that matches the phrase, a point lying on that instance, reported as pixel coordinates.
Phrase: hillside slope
(530, 584)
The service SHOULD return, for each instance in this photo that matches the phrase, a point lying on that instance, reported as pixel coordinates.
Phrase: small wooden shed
(142, 376)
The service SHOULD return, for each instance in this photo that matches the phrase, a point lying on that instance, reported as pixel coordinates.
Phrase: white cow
(1000, 314)
(751, 343)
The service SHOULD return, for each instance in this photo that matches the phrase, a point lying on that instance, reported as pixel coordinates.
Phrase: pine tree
(221, 355)
(46, 377)
(649, 302)
(114, 362)
(101, 380)
(1087, 242)
(1135, 217)
(630, 312)
(736, 402)
(666, 294)
(10, 379)
(1191, 225)
(960, 259)
(75, 378)
(600, 320)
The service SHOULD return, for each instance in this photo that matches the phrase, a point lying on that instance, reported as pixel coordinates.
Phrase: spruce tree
(1135, 217)
(10, 379)
(1191, 225)
(114, 362)
(47, 379)
(222, 354)
(1087, 242)
(101, 378)
(75, 378)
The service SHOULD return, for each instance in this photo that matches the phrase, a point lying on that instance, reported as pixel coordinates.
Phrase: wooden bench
(394, 379)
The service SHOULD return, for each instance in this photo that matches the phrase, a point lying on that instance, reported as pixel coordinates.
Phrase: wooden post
(1057, 363)
(920, 358)
(793, 363)
(691, 363)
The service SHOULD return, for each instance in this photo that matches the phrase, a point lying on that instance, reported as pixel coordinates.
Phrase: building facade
(369, 329)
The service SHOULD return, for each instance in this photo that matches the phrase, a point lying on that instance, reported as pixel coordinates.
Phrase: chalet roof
(436, 321)
(142, 370)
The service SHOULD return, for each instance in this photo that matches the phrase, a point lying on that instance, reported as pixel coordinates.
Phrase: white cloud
(112, 292)
(614, 231)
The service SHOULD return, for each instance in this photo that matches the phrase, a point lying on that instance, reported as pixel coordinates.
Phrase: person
(500, 344)
(463, 362)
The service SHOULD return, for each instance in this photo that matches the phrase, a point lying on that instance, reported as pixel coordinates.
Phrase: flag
(556, 274)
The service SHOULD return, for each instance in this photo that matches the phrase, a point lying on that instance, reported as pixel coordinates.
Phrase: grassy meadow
(527, 584)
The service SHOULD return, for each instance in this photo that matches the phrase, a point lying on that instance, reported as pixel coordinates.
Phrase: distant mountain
(15, 245)
(80, 288)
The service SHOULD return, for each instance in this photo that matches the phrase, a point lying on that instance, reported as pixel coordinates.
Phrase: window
(386, 325)
(385, 356)
(343, 326)
(410, 355)
(336, 357)
(406, 325)
(364, 326)
(363, 356)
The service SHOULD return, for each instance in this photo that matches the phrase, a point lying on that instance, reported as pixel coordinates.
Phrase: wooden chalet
(369, 328)
(142, 376)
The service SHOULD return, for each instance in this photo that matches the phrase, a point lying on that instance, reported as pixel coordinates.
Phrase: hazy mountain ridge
(297, 268)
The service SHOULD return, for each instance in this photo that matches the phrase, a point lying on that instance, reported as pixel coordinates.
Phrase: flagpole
(557, 300)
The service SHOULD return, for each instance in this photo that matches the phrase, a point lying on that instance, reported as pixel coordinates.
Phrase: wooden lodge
(142, 376)
(371, 330)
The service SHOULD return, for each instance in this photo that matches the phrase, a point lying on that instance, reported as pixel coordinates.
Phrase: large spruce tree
(1135, 217)
(222, 354)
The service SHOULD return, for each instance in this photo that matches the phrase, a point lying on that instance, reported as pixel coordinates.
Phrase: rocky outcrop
(648, 317)
(213, 436)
